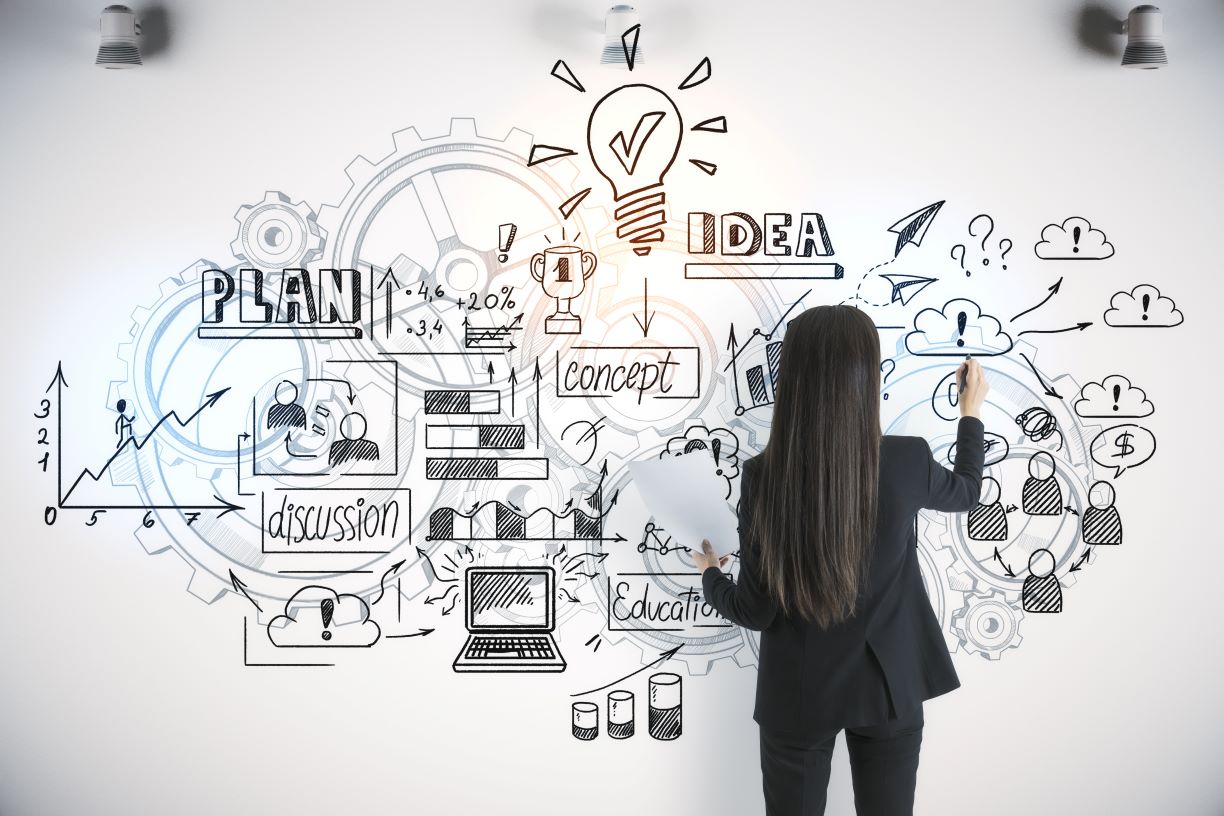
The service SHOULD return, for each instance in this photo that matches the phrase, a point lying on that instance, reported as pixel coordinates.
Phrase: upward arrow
(668, 655)
(60, 384)
(537, 377)
(1053, 290)
(513, 382)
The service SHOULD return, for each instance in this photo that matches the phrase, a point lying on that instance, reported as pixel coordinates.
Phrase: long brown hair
(816, 494)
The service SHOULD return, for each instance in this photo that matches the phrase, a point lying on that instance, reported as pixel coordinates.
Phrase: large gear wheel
(277, 234)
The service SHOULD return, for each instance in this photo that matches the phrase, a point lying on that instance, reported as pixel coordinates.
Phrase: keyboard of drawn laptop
(532, 647)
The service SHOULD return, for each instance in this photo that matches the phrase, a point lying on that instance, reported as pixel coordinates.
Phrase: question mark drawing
(989, 230)
(888, 367)
(1003, 252)
(961, 259)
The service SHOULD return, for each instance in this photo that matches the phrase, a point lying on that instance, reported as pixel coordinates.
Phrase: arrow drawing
(434, 569)
(347, 384)
(647, 315)
(513, 382)
(537, 377)
(668, 655)
(1078, 565)
(382, 583)
(239, 586)
(60, 384)
(1049, 389)
(1076, 327)
(430, 601)
(1006, 568)
(912, 228)
(418, 633)
(138, 444)
(391, 283)
(1053, 290)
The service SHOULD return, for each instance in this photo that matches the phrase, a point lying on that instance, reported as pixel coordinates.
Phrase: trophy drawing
(562, 272)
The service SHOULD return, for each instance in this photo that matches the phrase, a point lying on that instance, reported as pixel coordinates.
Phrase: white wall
(120, 693)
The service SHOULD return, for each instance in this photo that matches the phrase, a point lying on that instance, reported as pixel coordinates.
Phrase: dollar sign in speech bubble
(1122, 447)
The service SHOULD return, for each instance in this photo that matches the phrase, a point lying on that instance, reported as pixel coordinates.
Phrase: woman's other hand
(971, 381)
(706, 558)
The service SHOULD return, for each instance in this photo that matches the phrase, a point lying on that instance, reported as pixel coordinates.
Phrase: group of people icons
(287, 412)
(1042, 495)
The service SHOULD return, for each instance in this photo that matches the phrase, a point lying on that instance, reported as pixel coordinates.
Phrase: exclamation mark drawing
(1075, 236)
(505, 237)
(326, 608)
(961, 320)
(1117, 391)
(1147, 301)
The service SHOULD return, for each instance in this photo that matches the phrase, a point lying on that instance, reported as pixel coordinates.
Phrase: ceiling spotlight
(620, 19)
(1144, 39)
(120, 38)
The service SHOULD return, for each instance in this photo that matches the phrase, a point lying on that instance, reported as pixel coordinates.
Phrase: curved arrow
(1049, 389)
(668, 655)
(418, 633)
(1053, 290)
(430, 601)
(1006, 568)
(1076, 327)
(382, 583)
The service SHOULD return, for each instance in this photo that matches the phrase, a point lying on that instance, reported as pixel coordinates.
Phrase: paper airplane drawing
(904, 287)
(913, 228)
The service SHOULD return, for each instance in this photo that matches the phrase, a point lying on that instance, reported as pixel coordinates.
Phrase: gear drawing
(989, 625)
(277, 234)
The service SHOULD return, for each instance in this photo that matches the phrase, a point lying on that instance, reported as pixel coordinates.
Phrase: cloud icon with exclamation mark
(1143, 308)
(959, 328)
(319, 616)
(1074, 240)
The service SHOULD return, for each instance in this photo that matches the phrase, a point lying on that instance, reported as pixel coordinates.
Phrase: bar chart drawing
(754, 364)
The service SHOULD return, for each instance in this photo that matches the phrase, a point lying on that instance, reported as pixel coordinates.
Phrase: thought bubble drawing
(1122, 447)
(1113, 396)
(318, 616)
(1074, 240)
(719, 444)
(1142, 308)
(959, 328)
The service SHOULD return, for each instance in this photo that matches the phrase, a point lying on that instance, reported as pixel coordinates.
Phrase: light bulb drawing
(634, 135)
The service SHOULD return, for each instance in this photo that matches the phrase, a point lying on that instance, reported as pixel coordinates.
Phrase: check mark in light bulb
(634, 136)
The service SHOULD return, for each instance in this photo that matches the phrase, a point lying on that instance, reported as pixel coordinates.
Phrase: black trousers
(883, 763)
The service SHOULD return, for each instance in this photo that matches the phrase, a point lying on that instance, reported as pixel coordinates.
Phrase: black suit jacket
(891, 655)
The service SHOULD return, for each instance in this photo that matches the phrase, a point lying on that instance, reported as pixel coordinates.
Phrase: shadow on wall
(1099, 30)
(154, 30)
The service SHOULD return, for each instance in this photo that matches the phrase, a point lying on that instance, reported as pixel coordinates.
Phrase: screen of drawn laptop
(509, 599)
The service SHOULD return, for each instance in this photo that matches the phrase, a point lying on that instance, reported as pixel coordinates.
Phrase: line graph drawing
(131, 443)
(760, 388)
(495, 520)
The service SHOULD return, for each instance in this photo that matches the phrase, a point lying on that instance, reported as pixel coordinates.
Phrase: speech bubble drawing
(1123, 447)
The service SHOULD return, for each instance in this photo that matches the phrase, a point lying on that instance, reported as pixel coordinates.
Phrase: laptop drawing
(511, 612)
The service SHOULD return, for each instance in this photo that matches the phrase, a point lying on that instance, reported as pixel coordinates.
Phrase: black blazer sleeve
(958, 489)
(746, 602)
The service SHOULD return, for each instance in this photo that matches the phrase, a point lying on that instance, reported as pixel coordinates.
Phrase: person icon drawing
(1041, 591)
(123, 423)
(1101, 523)
(354, 447)
(988, 521)
(286, 412)
(1041, 495)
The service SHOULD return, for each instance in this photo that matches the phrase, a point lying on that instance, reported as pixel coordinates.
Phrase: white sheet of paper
(688, 500)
